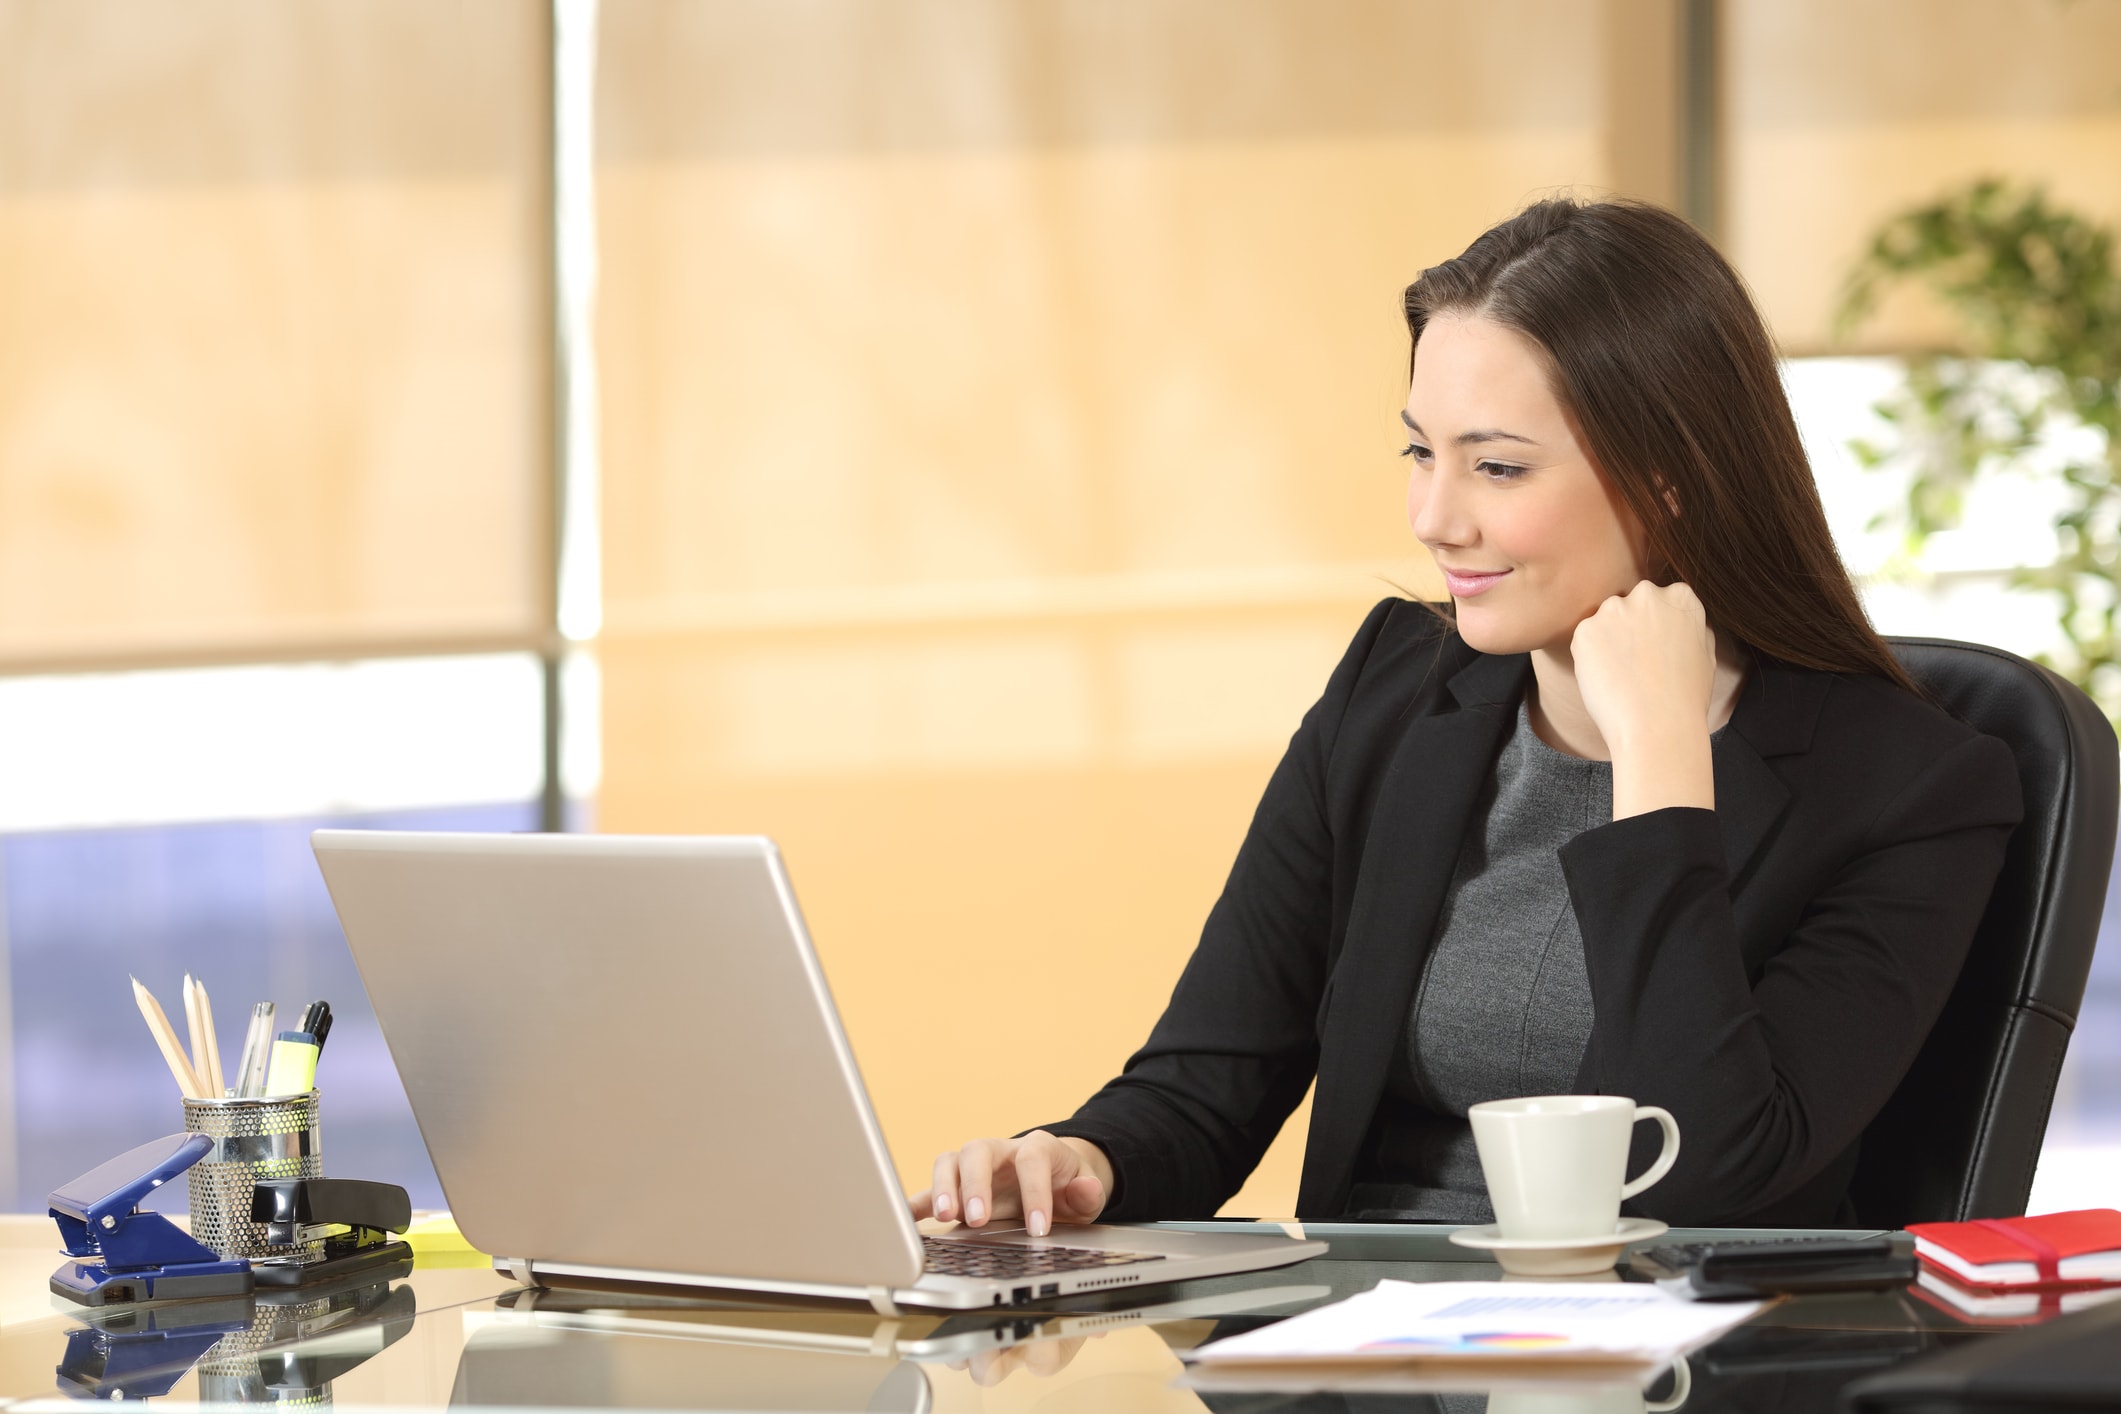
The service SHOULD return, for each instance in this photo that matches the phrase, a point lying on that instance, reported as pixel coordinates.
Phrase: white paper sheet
(1621, 1322)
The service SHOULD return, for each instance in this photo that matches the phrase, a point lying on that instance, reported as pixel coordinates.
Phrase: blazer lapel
(1423, 807)
(1775, 716)
(1750, 798)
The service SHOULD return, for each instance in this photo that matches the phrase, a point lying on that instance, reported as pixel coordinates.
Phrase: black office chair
(1960, 1136)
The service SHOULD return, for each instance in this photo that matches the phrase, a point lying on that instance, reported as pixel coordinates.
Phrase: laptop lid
(621, 1052)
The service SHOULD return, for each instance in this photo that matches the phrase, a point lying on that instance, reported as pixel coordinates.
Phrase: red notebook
(2051, 1250)
(2022, 1306)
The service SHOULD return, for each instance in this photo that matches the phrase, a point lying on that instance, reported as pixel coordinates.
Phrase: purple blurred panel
(241, 906)
(2091, 1082)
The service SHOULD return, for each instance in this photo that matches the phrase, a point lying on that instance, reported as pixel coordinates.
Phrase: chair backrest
(1959, 1138)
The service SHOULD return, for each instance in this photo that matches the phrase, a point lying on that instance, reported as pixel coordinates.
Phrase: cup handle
(1682, 1386)
(1665, 1160)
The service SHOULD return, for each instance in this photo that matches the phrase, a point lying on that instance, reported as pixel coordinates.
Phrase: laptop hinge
(519, 1268)
(880, 1301)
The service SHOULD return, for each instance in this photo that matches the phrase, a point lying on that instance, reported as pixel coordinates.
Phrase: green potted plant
(2034, 290)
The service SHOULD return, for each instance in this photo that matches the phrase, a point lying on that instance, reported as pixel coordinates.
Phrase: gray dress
(1504, 1004)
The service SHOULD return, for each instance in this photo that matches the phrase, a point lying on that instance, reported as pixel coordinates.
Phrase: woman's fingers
(964, 1183)
(1043, 1179)
(1644, 657)
(1645, 667)
(1046, 1358)
(1079, 1200)
(947, 1205)
(1042, 1358)
(975, 1179)
(1039, 1160)
(989, 1368)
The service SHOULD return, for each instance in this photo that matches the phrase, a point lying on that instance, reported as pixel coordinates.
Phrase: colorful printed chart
(1607, 1323)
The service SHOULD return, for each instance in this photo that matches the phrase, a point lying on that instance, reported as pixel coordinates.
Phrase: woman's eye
(1416, 451)
(1499, 471)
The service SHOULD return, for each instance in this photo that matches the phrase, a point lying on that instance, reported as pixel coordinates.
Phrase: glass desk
(467, 1336)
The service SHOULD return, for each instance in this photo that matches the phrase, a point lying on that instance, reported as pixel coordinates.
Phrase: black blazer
(1766, 970)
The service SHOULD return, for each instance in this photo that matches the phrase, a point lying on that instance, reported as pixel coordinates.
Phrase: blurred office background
(955, 437)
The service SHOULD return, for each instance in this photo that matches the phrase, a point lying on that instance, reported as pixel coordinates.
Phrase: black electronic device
(352, 1217)
(1747, 1270)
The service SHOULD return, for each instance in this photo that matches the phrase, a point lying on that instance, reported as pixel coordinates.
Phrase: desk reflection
(525, 1362)
(597, 1348)
(582, 1349)
(444, 1336)
(280, 1347)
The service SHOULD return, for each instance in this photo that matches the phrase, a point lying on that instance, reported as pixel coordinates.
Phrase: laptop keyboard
(955, 1258)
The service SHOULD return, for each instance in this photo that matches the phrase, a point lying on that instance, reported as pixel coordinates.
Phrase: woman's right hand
(1040, 1178)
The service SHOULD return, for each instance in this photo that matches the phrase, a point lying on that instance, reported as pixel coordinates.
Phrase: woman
(1652, 812)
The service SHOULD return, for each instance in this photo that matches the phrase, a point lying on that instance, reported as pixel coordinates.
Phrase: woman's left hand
(1646, 666)
(1043, 1358)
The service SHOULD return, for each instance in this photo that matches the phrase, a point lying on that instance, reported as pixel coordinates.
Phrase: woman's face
(1529, 536)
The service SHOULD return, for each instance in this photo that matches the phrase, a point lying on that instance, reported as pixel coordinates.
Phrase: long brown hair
(1667, 371)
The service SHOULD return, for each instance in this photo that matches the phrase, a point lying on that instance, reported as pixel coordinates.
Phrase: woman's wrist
(1661, 766)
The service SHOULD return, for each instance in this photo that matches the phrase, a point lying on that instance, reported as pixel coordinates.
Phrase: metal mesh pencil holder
(233, 1373)
(254, 1140)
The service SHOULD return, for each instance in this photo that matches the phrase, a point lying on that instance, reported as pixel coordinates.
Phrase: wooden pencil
(216, 1085)
(166, 1038)
(194, 1032)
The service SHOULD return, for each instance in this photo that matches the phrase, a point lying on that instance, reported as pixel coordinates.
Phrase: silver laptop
(627, 1067)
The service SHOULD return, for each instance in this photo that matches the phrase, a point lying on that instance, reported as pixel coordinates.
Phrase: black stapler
(304, 1341)
(302, 1210)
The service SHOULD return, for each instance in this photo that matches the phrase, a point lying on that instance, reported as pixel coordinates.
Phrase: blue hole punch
(140, 1352)
(143, 1256)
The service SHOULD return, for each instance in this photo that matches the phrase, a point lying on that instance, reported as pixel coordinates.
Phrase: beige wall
(271, 326)
(1842, 112)
(998, 394)
(1000, 448)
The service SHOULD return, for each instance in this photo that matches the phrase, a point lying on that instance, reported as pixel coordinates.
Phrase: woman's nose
(1435, 508)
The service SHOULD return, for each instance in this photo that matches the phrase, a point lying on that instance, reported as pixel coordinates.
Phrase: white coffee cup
(1557, 1165)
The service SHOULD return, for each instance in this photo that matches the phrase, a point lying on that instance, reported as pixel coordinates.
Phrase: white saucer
(1558, 1256)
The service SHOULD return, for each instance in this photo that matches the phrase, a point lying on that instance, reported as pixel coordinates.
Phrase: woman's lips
(1464, 584)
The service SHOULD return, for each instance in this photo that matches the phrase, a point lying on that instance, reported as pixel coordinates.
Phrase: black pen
(316, 1020)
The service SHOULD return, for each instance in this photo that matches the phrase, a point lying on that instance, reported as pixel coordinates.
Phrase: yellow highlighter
(294, 1064)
